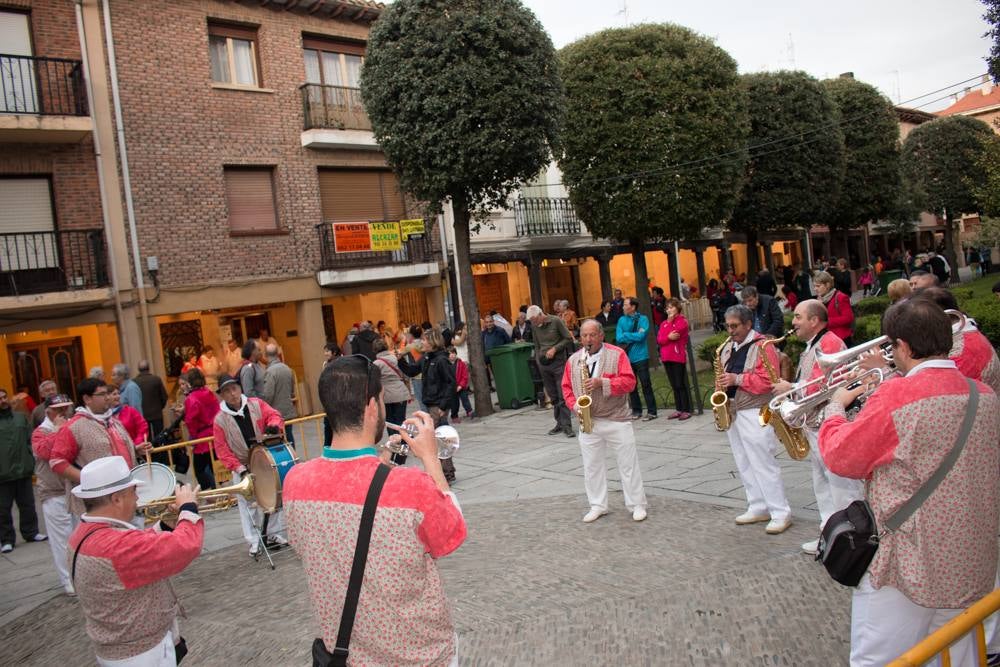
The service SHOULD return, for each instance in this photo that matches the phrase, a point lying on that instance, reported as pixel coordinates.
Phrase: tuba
(584, 401)
(722, 407)
(793, 439)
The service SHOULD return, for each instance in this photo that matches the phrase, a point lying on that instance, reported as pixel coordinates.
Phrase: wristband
(188, 507)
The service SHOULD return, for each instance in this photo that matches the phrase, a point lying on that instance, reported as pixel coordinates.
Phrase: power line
(719, 158)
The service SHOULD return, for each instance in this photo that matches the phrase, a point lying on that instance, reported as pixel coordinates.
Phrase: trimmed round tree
(945, 160)
(640, 102)
(796, 157)
(465, 99)
(871, 185)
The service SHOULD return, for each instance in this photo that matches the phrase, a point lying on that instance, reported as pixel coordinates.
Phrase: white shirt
(932, 363)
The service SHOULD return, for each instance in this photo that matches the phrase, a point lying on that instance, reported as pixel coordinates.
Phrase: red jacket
(200, 408)
(134, 423)
(840, 315)
(673, 350)
(461, 375)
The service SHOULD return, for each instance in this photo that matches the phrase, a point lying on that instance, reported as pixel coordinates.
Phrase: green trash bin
(511, 374)
(887, 277)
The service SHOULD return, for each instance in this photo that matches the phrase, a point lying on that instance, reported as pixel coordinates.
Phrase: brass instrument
(722, 407)
(793, 439)
(445, 436)
(584, 402)
(222, 498)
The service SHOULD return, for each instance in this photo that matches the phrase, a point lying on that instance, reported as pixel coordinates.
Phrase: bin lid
(508, 348)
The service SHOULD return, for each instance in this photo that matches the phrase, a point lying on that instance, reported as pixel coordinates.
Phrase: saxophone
(584, 401)
(722, 407)
(793, 439)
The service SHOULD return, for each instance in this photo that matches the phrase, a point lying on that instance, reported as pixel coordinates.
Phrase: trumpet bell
(446, 437)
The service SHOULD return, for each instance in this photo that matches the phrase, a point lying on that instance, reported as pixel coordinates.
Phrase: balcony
(416, 259)
(74, 263)
(42, 100)
(334, 117)
(544, 216)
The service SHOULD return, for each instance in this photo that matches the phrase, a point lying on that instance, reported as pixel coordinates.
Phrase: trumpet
(222, 498)
(446, 437)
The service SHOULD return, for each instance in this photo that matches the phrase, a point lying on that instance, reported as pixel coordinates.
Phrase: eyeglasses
(369, 365)
(100, 393)
(733, 327)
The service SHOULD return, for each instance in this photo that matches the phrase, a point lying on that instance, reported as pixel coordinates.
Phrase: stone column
(309, 320)
(699, 258)
(674, 281)
(604, 270)
(534, 265)
(724, 263)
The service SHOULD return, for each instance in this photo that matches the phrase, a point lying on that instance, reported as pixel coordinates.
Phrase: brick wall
(181, 132)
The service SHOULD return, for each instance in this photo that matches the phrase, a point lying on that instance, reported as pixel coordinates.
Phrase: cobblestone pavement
(532, 585)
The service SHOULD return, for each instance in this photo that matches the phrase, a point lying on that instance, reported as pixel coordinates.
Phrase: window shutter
(333, 45)
(351, 196)
(250, 194)
(395, 208)
(234, 31)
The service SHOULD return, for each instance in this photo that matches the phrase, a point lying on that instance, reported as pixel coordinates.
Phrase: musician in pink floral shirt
(944, 557)
(402, 614)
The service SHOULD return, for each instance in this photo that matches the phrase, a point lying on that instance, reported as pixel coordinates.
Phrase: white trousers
(833, 492)
(58, 526)
(885, 624)
(620, 437)
(753, 449)
(275, 524)
(161, 655)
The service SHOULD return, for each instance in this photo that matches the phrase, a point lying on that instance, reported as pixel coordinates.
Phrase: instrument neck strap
(340, 652)
(343, 454)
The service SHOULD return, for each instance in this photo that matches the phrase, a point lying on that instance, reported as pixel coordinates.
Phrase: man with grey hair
(130, 392)
(279, 389)
(46, 389)
(748, 387)
(97, 373)
(553, 345)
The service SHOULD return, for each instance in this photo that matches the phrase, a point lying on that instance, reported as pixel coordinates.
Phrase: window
(250, 195)
(333, 63)
(353, 196)
(233, 52)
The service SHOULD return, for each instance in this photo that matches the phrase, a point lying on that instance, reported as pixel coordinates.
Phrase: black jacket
(772, 322)
(517, 335)
(363, 344)
(766, 285)
(439, 379)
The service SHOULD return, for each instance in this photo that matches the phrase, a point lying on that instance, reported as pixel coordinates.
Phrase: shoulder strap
(390, 367)
(360, 560)
(77, 552)
(911, 505)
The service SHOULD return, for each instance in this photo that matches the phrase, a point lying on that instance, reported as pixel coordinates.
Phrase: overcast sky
(904, 48)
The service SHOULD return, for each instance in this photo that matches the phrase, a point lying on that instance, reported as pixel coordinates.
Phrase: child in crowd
(461, 387)
(867, 279)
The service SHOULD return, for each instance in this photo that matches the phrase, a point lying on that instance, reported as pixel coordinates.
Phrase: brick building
(241, 139)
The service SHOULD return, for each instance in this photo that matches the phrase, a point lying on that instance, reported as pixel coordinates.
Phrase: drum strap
(358, 568)
(77, 552)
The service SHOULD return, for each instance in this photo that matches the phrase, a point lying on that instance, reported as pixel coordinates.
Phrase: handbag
(850, 538)
(322, 657)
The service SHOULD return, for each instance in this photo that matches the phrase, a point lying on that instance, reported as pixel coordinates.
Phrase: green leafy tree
(871, 186)
(641, 101)
(904, 215)
(465, 99)
(992, 17)
(945, 160)
(796, 162)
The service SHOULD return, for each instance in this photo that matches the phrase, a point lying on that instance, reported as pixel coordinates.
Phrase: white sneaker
(255, 548)
(811, 548)
(70, 591)
(594, 514)
(639, 514)
(276, 540)
(750, 517)
(7, 548)
(39, 537)
(775, 527)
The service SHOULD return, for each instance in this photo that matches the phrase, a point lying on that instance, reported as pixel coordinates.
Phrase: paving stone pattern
(532, 585)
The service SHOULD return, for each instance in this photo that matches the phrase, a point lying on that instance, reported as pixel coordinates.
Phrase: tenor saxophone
(793, 439)
(584, 401)
(722, 407)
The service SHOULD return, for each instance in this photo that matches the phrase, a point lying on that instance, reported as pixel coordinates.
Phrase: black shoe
(555, 429)
(569, 433)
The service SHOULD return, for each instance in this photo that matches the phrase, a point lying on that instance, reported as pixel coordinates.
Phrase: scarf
(234, 436)
(104, 418)
(235, 413)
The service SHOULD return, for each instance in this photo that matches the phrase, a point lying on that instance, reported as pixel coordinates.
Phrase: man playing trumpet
(833, 492)
(609, 381)
(748, 385)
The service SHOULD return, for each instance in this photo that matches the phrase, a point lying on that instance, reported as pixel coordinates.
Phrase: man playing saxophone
(833, 492)
(748, 385)
(609, 381)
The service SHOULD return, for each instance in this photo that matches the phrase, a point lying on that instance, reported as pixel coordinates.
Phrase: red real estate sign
(351, 237)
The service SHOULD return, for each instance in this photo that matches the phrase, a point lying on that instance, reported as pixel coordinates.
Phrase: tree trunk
(949, 247)
(753, 261)
(638, 248)
(474, 337)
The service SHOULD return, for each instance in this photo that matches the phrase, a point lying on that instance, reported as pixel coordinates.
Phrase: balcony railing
(414, 251)
(333, 107)
(58, 261)
(43, 86)
(545, 216)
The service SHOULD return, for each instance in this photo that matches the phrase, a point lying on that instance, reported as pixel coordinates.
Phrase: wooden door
(492, 293)
(559, 285)
(58, 360)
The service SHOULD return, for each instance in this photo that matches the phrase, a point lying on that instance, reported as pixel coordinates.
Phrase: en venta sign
(380, 236)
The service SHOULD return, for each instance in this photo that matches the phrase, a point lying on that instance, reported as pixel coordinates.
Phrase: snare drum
(269, 466)
(158, 482)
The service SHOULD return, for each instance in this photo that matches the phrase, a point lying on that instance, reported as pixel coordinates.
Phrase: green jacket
(16, 461)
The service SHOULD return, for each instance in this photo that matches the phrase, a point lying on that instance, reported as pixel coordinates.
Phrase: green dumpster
(511, 374)
(887, 277)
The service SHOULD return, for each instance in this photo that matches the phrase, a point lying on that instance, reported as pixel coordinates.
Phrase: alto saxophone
(793, 439)
(722, 407)
(584, 401)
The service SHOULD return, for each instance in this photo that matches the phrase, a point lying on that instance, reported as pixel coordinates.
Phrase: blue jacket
(633, 329)
(493, 338)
